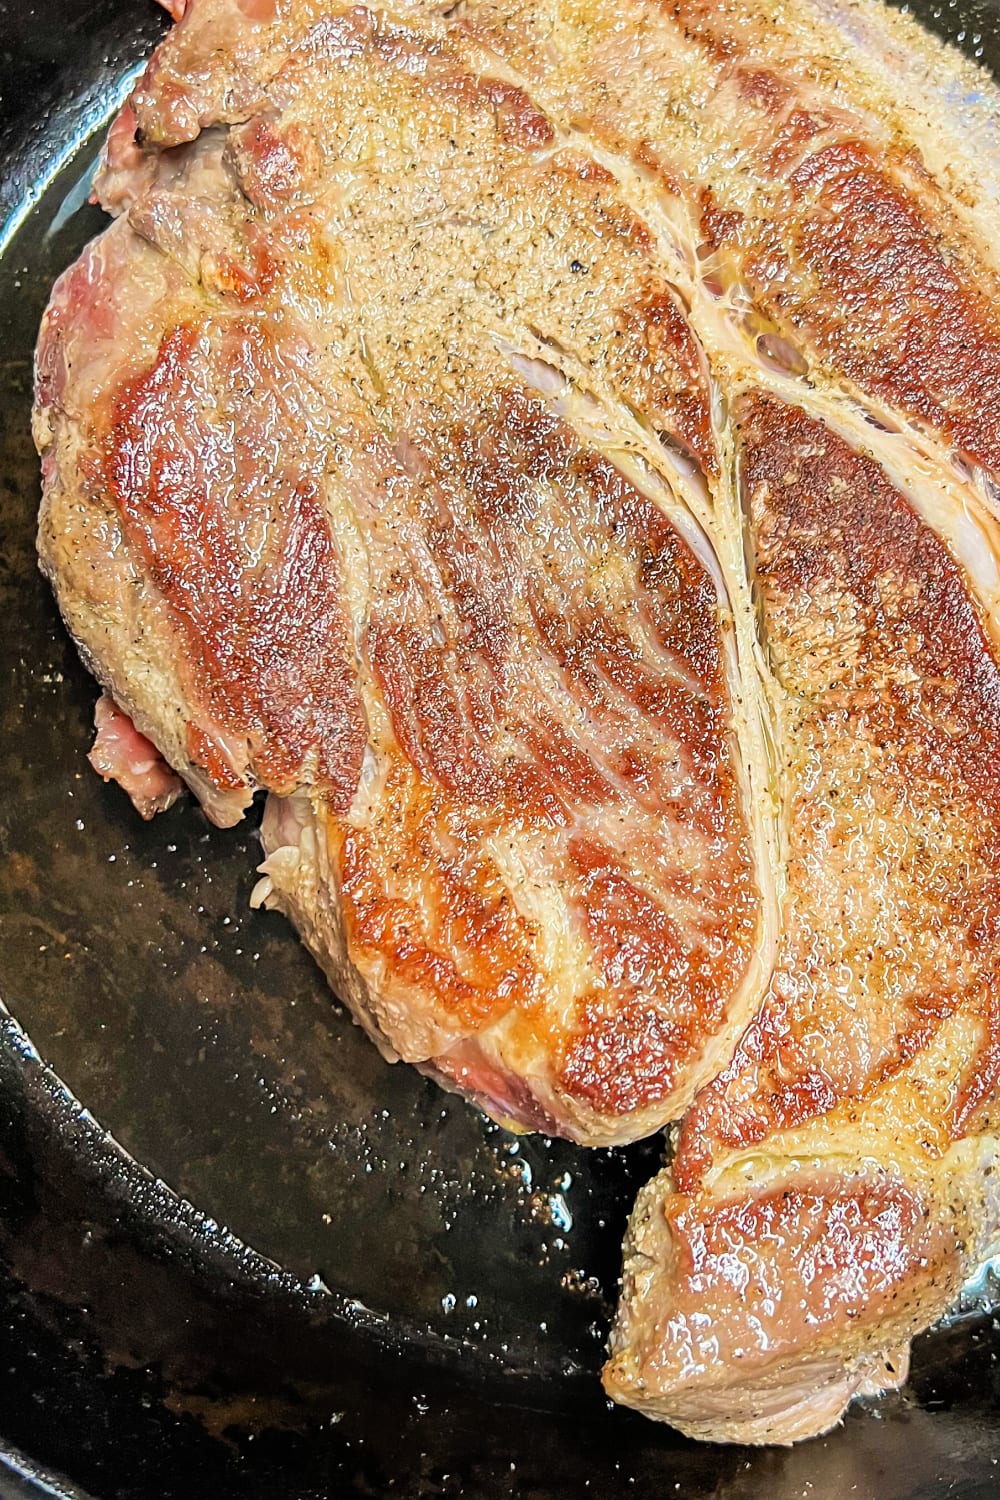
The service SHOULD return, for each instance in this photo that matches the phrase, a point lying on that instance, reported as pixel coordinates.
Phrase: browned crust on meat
(253, 586)
(894, 698)
(463, 941)
(854, 261)
(627, 1042)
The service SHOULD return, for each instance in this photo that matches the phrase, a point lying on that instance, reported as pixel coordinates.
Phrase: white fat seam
(888, 1128)
(954, 501)
(918, 61)
(952, 507)
(558, 950)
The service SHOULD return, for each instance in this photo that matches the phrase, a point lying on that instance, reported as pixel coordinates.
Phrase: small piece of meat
(120, 753)
(554, 451)
(755, 1314)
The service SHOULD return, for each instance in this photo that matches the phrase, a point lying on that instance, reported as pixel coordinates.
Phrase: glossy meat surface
(401, 581)
(554, 450)
(874, 1052)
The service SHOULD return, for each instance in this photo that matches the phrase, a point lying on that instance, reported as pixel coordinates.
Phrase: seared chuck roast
(553, 449)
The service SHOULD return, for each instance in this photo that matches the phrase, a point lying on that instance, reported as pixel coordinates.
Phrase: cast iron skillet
(353, 1285)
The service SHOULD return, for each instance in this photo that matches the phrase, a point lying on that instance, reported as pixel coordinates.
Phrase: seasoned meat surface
(361, 542)
(554, 451)
(873, 1056)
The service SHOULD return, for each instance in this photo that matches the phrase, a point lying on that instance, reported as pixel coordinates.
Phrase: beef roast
(554, 450)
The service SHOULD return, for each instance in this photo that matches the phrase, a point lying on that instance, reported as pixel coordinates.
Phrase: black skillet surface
(353, 1284)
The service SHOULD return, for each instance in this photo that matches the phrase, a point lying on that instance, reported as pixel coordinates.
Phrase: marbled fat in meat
(554, 451)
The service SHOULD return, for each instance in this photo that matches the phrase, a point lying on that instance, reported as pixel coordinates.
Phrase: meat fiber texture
(554, 449)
